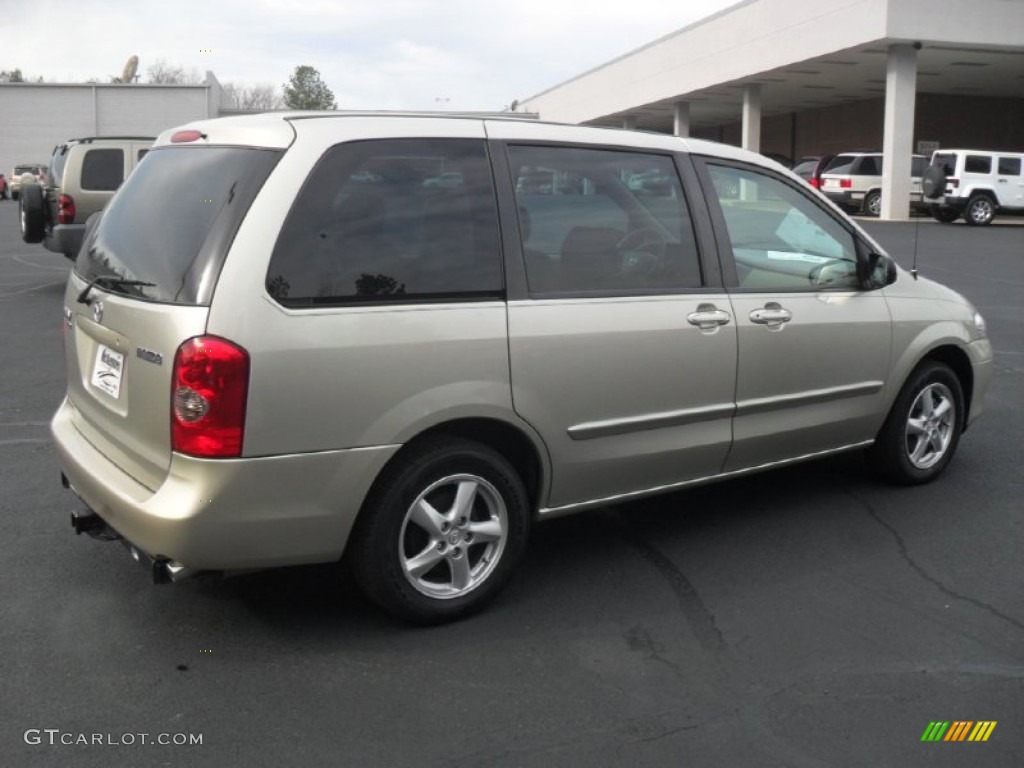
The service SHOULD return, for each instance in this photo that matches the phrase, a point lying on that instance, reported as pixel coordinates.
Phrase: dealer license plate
(108, 371)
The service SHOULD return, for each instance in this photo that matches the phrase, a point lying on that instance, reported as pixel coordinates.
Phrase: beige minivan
(284, 346)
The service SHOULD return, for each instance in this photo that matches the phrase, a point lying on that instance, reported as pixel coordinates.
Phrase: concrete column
(682, 121)
(629, 122)
(752, 118)
(898, 137)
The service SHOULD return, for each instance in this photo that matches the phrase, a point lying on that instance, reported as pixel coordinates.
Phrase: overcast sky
(374, 54)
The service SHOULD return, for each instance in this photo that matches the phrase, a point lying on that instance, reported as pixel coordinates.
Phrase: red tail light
(816, 183)
(954, 183)
(845, 183)
(210, 383)
(65, 209)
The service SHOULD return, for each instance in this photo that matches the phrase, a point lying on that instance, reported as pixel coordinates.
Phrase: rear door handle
(708, 317)
(773, 315)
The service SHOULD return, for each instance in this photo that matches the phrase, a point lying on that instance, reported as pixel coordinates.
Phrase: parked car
(26, 172)
(85, 174)
(853, 181)
(975, 184)
(810, 168)
(312, 367)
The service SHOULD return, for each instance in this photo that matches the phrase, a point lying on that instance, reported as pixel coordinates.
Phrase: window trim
(724, 242)
(512, 235)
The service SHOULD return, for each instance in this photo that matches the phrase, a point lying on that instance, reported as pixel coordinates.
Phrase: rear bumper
(846, 198)
(226, 514)
(65, 238)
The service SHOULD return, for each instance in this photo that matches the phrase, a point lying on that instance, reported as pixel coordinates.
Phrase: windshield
(173, 220)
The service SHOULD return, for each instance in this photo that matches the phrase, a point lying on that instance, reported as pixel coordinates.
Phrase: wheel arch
(523, 451)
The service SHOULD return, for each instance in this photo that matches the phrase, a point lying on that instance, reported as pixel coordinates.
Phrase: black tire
(14, 195)
(980, 210)
(31, 213)
(932, 400)
(933, 181)
(944, 213)
(394, 533)
(873, 203)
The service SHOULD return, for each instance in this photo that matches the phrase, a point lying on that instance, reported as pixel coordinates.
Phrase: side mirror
(881, 271)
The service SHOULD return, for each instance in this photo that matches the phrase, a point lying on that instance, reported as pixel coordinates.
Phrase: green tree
(305, 90)
(12, 76)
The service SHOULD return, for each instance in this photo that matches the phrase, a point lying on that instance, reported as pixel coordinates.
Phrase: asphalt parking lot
(807, 617)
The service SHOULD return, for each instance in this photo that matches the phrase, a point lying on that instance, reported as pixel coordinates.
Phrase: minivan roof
(279, 129)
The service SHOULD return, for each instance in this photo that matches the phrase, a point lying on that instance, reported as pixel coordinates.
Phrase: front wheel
(442, 531)
(922, 431)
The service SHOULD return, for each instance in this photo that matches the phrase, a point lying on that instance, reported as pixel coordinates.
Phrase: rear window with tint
(103, 169)
(173, 221)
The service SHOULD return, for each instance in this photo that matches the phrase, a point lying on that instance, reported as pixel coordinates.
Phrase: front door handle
(773, 315)
(708, 317)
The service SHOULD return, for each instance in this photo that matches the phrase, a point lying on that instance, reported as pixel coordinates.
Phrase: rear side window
(102, 169)
(870, 165)
(394, 220)
(918, 165)
(977, 164)
(173, 220)
(1009, 166)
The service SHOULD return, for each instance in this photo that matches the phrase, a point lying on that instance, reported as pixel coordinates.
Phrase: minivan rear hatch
(142, 285)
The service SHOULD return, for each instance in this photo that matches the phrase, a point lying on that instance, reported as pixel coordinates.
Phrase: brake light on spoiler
(183, 137)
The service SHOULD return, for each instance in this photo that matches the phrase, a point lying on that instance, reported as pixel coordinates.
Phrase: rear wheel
(922, 431)
(442, 531)
(873, 204)
(31, 213)
(981, 209)
(943, 213)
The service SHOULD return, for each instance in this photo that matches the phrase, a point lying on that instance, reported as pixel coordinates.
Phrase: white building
(801, 77)
(35, 117)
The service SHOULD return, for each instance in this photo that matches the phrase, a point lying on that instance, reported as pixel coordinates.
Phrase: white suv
(974, 184)
(853, 181)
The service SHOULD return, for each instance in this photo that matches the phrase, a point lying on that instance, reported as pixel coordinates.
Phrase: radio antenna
(917, 232)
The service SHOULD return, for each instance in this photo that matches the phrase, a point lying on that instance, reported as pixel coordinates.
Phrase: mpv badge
(149, 356)
(97, 311)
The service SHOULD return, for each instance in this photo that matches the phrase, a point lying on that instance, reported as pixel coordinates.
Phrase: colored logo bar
(959, 730)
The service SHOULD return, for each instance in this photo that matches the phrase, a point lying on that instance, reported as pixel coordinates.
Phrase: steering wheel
(641, 251)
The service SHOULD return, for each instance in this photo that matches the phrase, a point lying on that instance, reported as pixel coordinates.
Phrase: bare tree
(162, 72)
(262, 96)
